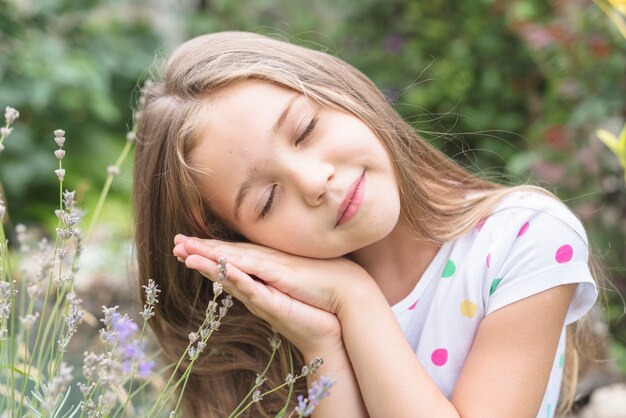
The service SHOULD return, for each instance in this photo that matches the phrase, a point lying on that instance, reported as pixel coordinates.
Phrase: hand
(323, 283)
(312, 330)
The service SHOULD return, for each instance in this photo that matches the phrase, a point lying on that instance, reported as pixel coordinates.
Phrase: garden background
(513, 89)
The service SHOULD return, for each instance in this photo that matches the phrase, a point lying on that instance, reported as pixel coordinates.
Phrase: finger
(255, 295)
(226, 246)
(180, 252)
(258, 263)
(180, 238)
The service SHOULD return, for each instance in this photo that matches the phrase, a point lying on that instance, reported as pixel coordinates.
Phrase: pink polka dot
(481, 224)
(412, 306)
(523, 229)
(439, 357)
(489, 260)
(564, 253)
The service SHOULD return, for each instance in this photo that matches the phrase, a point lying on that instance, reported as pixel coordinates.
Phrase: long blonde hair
(433, 190)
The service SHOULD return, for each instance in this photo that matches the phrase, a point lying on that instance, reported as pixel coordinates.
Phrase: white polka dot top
(528, 244)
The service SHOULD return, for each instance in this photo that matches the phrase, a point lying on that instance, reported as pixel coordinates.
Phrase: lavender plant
(40, 315)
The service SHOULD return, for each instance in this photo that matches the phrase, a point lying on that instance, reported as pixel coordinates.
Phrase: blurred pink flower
(588, 158)
(549, 172)
(537, 36)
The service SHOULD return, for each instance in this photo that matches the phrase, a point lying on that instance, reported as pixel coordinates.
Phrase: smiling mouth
(352, 202)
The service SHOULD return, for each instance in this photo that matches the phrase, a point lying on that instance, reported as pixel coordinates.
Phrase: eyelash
(268, 204)
(307, 131)
(305, 134)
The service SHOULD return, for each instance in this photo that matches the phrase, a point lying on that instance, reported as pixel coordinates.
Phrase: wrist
(326, 348)
(333, 357)
(366, 294)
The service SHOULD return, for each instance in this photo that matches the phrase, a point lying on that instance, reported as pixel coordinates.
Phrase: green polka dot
(494, 285)
(449, 270)
(561, 360)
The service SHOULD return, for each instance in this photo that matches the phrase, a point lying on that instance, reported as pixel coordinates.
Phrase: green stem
(283, 411)
(185, 376)
(105, 191)
(43, 313)
(254, 387)
(132, 376)
(6, 273)
(141, 387)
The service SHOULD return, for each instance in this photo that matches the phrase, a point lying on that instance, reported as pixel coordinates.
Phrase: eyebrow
(251, 177)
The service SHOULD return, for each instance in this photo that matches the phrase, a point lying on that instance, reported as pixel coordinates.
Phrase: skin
(314, 296)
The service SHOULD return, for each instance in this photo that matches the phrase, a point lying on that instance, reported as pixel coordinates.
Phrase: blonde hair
(433, 190)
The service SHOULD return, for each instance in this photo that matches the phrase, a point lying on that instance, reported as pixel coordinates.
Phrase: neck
(396, 263)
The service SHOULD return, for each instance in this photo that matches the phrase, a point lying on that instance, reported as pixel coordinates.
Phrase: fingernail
(181, 236)
(180, 259)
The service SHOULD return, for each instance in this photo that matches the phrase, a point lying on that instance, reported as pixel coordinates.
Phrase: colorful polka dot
(468, 308)
(548, 410)
(494, 285)
(439, 357)
(564, 254)
(561, 360)
(523, 229)
(412, 306)
(489, 260)
(450, 268)
(480, 224)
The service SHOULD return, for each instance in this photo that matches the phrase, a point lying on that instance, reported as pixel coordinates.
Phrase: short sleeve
(535, 249)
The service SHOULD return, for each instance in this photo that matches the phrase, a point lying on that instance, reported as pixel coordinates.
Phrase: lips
(352, 202)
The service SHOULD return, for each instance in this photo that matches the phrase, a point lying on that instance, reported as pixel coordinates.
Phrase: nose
(311, 180)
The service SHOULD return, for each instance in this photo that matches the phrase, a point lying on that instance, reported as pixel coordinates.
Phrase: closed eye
(268, 203)
(307, 132)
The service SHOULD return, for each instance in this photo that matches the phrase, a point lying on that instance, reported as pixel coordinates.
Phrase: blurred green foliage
(513, 89)
(69, 65)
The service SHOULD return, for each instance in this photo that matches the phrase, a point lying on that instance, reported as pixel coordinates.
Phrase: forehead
(243, 112)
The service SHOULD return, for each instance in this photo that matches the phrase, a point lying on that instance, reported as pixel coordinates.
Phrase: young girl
(428, 291)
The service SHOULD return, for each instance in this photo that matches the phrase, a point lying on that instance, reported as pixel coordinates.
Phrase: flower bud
(59, 154)
(60, 173)
(4, 132)
(10, 114)
(59, 140)
(113, 170)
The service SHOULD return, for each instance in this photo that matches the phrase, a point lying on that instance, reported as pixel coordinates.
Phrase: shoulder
(532, 209)
(533, 242)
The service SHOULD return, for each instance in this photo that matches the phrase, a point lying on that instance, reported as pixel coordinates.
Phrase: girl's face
(295, 176)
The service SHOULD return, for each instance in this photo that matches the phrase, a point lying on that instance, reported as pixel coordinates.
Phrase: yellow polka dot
(468, 308)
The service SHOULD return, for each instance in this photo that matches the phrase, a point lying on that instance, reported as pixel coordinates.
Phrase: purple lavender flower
(124, 326)
(132, 355)
(135, 357)
(319, 389)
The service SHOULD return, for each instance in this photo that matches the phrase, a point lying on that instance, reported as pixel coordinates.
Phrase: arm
(520, 338)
